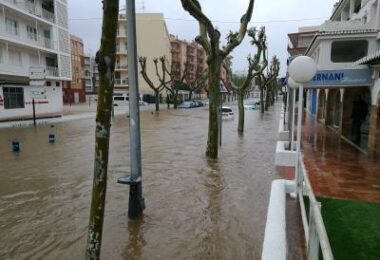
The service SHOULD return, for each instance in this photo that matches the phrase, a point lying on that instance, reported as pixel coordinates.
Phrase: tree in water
(209, 39)
(265, 82)
(256, 67)
(156, 89)
(105, 59)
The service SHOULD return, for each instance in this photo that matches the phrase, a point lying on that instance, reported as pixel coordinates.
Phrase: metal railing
(314, 228)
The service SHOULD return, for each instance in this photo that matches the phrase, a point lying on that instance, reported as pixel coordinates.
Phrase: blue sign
(341, 78)
(283, 82)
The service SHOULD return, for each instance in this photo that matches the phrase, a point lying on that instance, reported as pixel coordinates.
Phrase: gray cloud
(226, 15)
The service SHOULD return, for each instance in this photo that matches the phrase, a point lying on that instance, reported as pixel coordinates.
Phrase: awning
(373, 58)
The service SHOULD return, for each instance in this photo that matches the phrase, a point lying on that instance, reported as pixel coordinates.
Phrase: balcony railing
(121, 82)
(330, 26)
(121, 67)
(29, 38)
(31, 8)
(52, 71)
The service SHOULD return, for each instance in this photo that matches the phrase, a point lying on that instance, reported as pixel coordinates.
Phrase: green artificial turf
(353, 228)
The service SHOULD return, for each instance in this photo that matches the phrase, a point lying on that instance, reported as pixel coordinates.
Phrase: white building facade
(344, 79)
(34, 57)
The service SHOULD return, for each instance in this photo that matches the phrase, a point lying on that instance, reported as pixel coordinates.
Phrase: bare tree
(156, 89)
(105, 59)
(197, 84)
(266, 80)
(256, 67)
(209, 39)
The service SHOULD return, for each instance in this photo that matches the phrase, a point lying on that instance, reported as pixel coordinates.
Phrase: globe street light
(301, 70)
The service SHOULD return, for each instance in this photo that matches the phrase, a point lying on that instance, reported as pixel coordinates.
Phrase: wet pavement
(196, 208)
(336, 168)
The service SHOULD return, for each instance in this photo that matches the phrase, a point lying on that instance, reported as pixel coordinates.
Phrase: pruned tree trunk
(262, 108)
(190, 95)
(241, 111)
(214, 93)
(105, 58)
(157, 99)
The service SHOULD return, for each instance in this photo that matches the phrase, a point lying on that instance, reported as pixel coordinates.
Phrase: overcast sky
(280, 17)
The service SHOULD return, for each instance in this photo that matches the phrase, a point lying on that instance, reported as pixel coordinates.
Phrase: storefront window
(13, 97)
(348, 51)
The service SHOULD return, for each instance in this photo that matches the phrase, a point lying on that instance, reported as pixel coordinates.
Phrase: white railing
(29, 38)
(48, 15)
(52, 71)
(315, 231)
(121, 82)
(332, 26)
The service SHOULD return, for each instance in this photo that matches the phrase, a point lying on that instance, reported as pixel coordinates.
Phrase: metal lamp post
(136, 200)
(302, 69)
(293, 86)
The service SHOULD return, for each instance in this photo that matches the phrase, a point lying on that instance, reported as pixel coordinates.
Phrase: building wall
(47, 104)
(34, 40)
(152, 42)
(75, 92)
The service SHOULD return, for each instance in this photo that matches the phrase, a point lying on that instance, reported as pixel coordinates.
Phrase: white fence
(314, 228)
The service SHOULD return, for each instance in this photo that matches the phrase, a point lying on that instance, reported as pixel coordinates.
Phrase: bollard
(15, 146)
(51, 138)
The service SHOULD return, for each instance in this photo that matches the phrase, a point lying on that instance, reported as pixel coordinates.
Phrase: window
(11, 26)
(31, 32)
(13, 98)
(348, 51)
(14, 57)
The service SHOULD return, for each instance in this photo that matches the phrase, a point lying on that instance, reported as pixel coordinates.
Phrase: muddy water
(196, 209)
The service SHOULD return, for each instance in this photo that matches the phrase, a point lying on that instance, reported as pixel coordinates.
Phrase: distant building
(190, 53)
(34, 57)
(152, 42)
(91, 74)
(299, 41)
(75, 92)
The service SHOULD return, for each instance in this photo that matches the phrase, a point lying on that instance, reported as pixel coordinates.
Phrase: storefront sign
(341, 78)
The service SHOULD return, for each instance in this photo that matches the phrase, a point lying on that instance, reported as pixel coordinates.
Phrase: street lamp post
(302, 69)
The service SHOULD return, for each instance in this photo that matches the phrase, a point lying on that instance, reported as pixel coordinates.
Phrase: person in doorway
(359, 114)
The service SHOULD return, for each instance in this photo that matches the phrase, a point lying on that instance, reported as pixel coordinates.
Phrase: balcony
(28, 38)
(51, 71)
(121, 82)
(121, 67)
(30, 8)
(120, 50)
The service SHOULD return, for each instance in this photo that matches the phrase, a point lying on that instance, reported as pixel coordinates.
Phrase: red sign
(1, 101)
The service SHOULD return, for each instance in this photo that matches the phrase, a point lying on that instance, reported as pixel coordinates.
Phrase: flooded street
(195, 208)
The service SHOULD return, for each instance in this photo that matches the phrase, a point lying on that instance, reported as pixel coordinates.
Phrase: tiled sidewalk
(335, 168)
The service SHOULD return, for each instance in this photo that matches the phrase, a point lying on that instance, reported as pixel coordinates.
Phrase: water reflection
(135, 239)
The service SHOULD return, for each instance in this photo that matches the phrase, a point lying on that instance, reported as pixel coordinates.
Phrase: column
(372, 149)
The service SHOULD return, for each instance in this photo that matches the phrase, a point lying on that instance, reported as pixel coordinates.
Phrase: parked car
(198, 103)
(120, 100)
(227, 113)
(187, 105)
(252, 105)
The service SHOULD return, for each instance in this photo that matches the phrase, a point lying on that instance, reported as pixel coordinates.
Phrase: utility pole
(34, 112)
(136, 200)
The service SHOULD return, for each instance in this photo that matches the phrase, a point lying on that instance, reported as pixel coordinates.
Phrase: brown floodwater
(195, 208)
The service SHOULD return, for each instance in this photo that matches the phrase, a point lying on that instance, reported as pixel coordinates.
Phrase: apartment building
(91, 74)
(34, 57)
(76, 91)
(347, 85)
(299, 41)
(152, 42)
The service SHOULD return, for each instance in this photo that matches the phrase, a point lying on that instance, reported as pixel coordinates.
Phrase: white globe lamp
(292, 83)
(302, 69)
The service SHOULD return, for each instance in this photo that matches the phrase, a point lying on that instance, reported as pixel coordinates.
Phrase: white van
(120, 100)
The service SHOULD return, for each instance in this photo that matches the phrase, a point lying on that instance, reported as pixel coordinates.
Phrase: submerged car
(187, 104)
(198, 103)
(227, 113)
(252, 105)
